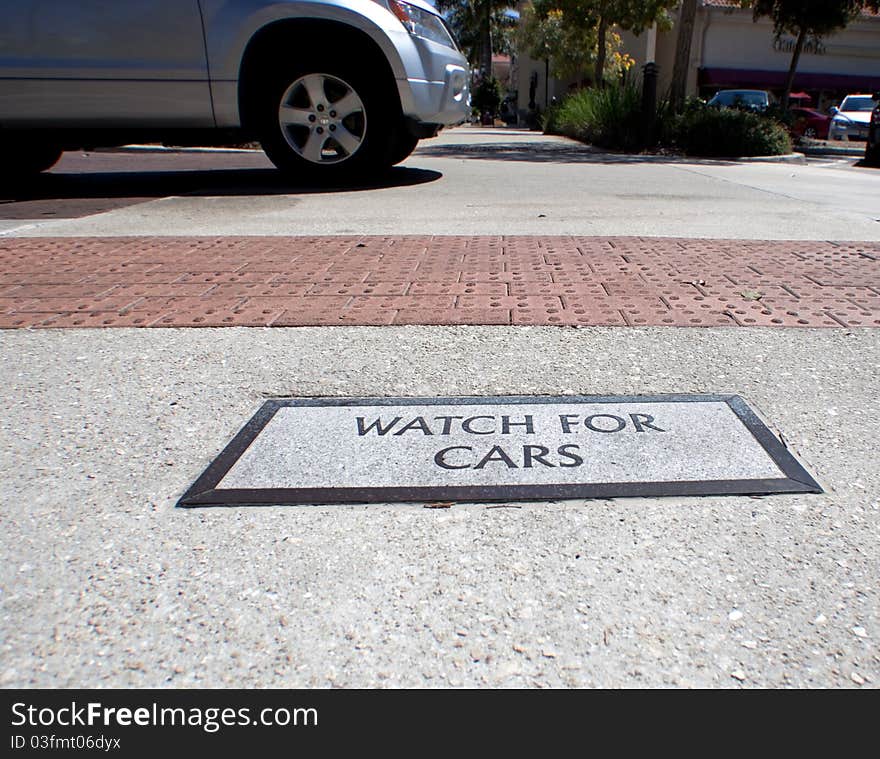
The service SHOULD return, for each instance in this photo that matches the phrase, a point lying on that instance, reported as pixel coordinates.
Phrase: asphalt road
(466, 181)
(105, 583)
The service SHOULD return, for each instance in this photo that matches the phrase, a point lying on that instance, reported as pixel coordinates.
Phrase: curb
(787, 158)
(798, 158)
(834, 152)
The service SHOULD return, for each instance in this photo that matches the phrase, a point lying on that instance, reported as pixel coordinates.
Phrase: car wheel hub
(323, 119)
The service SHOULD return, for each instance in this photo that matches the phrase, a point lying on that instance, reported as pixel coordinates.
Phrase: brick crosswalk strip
(443, 280)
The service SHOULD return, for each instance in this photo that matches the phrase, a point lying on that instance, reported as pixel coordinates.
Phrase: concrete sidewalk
(107, 584)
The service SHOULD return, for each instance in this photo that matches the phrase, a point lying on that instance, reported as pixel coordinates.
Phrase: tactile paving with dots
(351, 280)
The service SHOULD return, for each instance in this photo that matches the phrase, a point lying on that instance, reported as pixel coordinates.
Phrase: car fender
(230, 25)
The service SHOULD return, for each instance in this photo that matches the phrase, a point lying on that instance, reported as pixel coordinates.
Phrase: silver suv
(328, 87)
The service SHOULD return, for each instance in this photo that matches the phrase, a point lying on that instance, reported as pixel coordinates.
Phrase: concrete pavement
(105, 583)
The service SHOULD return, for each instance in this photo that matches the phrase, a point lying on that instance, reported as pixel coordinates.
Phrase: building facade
(731, 51)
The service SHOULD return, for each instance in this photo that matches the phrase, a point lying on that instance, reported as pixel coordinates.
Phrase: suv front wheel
(404, 147)
(329, 121)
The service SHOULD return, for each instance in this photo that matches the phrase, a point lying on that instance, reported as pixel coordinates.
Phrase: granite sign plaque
(350, 450)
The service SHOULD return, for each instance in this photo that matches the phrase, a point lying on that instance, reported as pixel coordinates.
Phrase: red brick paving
(563, 281)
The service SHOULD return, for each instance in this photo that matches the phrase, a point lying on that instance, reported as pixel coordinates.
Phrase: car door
(88, 63)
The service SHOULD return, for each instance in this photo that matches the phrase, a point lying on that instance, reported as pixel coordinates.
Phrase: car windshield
(858, 104)
(744, 98)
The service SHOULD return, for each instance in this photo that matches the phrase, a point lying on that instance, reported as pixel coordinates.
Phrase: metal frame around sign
(204, 490)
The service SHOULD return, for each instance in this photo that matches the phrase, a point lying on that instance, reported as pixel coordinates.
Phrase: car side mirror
(834, 110)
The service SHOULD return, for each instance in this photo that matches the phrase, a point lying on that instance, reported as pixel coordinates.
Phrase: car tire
(323, 119)
(810, 133)
(23, 159)
(403, 148)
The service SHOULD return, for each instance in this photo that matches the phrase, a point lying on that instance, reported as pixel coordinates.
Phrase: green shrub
(550, 119)
(668, 120)
(728, 133)
(783, 115)
(610, 117)
(487, 95)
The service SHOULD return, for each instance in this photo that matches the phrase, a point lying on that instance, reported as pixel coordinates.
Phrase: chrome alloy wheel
(323, 119)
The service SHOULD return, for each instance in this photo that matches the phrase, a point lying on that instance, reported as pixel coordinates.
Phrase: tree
(805, 19)
(683, 41)
(481, 28)
(570, 45)
(595, 21)
(632, 15)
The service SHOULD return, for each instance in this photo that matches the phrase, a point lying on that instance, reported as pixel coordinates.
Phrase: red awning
(754, 78)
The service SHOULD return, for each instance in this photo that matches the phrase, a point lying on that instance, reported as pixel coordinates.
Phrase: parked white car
(851, 120)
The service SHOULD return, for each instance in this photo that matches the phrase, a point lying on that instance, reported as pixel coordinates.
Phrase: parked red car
(809, 122)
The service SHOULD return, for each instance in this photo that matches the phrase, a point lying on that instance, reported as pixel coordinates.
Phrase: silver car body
(176, 63)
